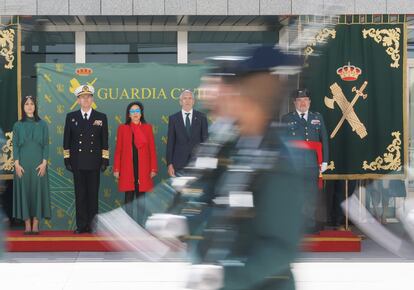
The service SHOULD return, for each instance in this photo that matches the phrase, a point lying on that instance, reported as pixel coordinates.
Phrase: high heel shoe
(35, 226)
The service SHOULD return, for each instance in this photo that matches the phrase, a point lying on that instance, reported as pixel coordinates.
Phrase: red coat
(147, 158)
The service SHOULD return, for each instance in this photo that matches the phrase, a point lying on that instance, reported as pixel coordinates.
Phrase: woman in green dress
(31, 196)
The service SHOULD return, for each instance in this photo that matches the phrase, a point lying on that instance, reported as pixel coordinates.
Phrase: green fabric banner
(357, 83)
(9, 89)
(157, 86)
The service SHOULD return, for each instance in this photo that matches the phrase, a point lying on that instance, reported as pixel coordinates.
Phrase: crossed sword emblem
(347, 108)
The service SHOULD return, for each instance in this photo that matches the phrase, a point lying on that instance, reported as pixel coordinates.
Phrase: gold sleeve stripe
(66, 153)
(105, 154)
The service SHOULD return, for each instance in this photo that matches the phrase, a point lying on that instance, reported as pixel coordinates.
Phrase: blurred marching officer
(85, 145)
(250, 201)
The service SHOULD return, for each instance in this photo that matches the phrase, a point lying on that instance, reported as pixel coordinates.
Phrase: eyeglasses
(29, 97)
(138, 111)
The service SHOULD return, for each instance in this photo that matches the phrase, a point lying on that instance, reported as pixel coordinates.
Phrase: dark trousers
(135, 206)
(86, 197)
(312, 196)
(336, 195)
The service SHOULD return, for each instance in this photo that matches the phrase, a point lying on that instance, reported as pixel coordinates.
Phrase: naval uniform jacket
(85, 142)
(311, 130)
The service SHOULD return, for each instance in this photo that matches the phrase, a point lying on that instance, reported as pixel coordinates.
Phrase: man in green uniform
(249, 202)
(309, 127)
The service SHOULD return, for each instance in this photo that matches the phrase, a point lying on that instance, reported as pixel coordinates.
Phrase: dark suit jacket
(85, 142)
(179, 145)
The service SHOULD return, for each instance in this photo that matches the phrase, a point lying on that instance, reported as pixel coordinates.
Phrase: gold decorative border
(390, 38)
(322, 36)
(363, 176)
(391, 160)
(6, 158)
(331, 165)
(7, 46)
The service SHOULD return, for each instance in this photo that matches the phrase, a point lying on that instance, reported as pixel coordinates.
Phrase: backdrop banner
(9, 89)
(157, 86)
(357, 83)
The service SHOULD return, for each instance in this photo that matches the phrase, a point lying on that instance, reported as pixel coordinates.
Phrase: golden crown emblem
(349, 72)
(84, 71)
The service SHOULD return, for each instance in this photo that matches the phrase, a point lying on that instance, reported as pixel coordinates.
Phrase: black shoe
(79, 231)
(91, 229)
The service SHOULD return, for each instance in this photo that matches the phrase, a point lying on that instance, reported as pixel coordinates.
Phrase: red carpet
(66, 241)
(332, 241)
(56, 241)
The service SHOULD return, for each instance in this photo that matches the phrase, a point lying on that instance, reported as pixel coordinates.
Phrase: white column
(284, 37)
(80, 46)
(182, 46)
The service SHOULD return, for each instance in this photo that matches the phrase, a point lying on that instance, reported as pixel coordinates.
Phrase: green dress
(31, 195)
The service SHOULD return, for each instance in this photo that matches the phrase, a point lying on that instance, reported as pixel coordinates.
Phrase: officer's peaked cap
(84, 90)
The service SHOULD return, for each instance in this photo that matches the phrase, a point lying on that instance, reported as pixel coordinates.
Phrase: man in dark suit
(186, 129)
(85, 145)
(309, 127)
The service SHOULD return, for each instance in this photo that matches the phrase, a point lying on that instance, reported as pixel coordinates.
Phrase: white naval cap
(84, 90)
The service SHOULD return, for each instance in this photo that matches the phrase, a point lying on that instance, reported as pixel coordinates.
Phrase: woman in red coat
(135, 161)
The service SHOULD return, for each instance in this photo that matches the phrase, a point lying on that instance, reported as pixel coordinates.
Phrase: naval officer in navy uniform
(85, 145)
(305, 125)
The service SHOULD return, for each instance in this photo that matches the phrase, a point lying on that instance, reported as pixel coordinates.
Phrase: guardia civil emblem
(347, 73)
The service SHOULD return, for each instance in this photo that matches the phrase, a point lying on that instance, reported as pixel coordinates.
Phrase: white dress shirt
(305, 116)
(88, 113)
(190, 116)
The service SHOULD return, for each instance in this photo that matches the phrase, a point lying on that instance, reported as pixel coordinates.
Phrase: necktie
(302, 116)
(85, 116)
(187, 123)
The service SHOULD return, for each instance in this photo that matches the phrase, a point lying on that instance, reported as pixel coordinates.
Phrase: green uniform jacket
(264, 244)
(311, 130)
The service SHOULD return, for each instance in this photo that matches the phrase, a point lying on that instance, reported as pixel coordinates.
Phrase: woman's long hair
(141, 107)
(35, 113)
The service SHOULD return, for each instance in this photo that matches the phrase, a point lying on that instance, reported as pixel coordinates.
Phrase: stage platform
(67, 241)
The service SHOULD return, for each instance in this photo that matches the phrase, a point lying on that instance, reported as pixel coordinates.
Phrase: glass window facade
(202, 44)
(43, 47)
(131, 47)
